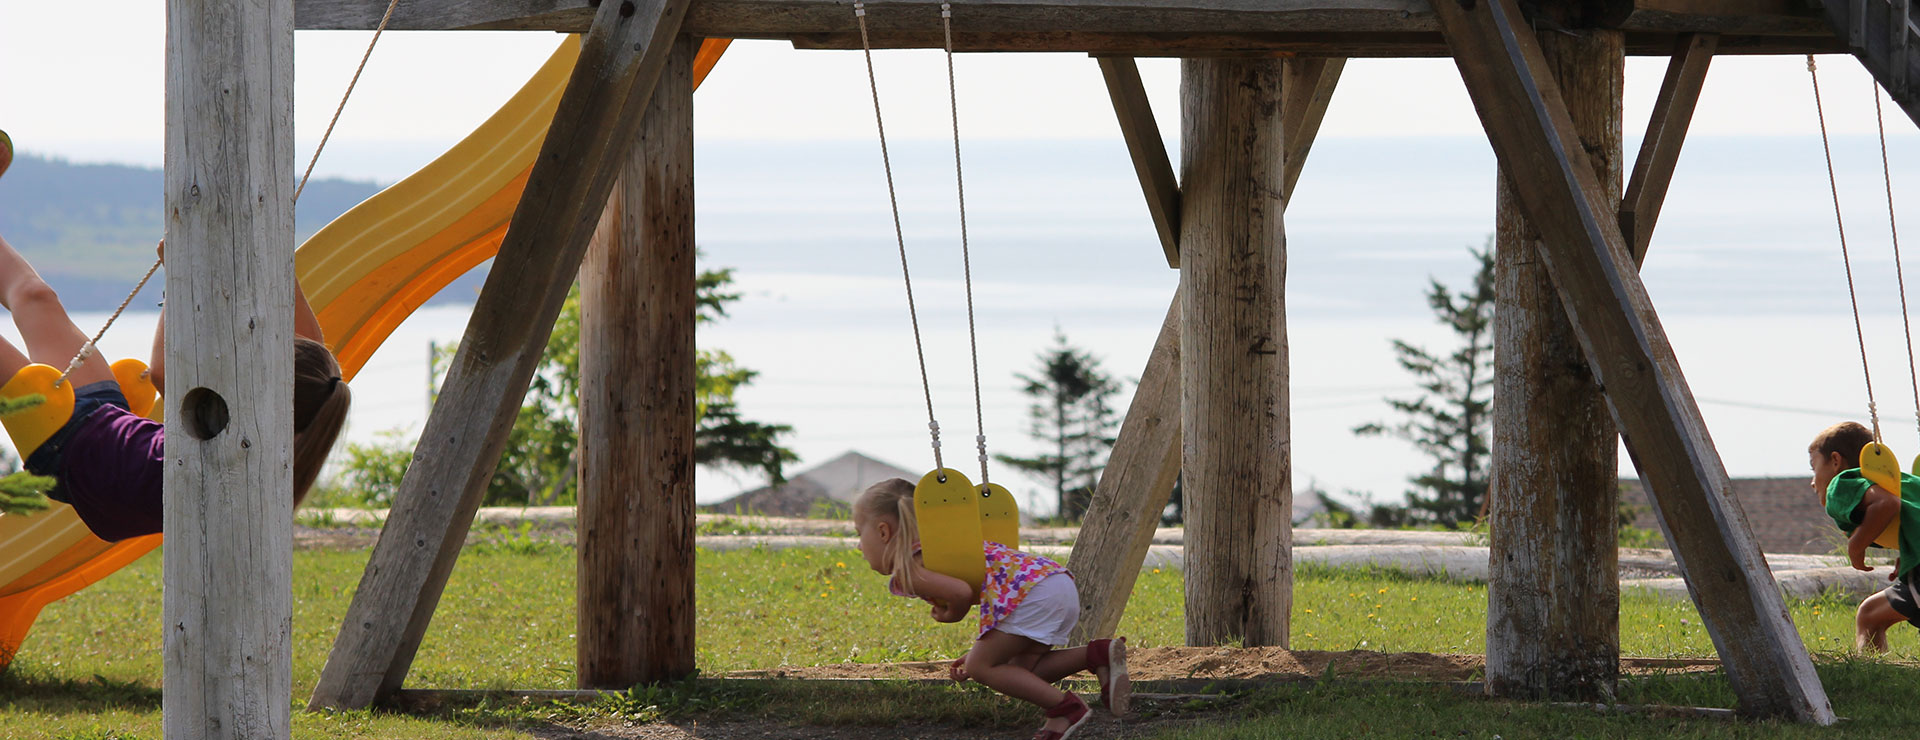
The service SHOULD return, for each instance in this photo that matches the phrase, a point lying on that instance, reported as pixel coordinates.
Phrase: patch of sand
(1264, 663)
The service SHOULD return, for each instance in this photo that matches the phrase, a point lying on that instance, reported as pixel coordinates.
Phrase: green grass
(92, 666)
(1867, 693)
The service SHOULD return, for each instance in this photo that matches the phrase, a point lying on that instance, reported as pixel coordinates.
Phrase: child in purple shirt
(107, 461)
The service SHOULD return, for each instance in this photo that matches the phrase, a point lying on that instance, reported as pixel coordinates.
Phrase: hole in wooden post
(626, 10)
(205, 413)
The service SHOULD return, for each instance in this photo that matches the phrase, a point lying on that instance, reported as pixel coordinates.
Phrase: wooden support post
(1149, 153)
(1145, 462)
(1553, 588)
(598, 118)
(1666, 132)
(635, 582)
(228, 570)
(1593, 271)
(1233, 353)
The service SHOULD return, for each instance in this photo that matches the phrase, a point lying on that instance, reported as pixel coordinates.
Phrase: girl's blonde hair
(320, 401)
(892, 499)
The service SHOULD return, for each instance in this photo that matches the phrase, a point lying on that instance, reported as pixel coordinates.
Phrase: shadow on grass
(871, 704)
(26, 692)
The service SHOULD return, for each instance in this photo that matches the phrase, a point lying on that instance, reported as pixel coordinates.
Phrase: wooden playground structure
(610, 200)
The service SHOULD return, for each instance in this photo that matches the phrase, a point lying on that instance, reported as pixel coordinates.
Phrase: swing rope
(87, 349)
(899, 234)
(1873, 411)
(966, 263)
(1893, 228)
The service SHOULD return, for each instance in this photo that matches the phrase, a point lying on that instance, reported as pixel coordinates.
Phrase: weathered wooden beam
(1593, 271)
(1267, 44)
(1149, 153)
(1235, 466)
(1878, 33)
(1307, 86)
(228, 565)
(1133, 490)
(635, 580)
(1553, 585)
(1666, 132)
(1145, 462)
(781, 19)
(598, 117)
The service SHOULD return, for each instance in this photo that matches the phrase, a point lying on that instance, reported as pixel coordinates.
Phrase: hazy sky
(1737, 208)
(98, 96)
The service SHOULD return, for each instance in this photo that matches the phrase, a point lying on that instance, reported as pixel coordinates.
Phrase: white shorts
(1049, 612)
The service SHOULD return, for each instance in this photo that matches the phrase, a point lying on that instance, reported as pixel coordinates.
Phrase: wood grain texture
(786, 19)
(635, 581)
(1881, 34)
(1148, 151)
(1592, 270)
(1266, 44)
(1145, 462)
(1133, 489)
(1308, 86)
(228, 605)
(1553, 590)
(1236, 464)
(597, 120)
(1666, 132)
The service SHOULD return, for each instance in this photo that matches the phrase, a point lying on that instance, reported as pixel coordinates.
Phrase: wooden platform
(1188, 28)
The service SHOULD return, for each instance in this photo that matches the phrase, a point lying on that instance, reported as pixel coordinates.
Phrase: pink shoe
(1108, 661)
(1074, 710)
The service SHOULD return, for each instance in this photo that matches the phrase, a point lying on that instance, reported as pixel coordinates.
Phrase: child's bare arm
(305, 324)
(1882, 508)
(951, 597)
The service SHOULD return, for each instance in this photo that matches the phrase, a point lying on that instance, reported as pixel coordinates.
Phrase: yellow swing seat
(1878, 465)
(957, 518)
(32, 427)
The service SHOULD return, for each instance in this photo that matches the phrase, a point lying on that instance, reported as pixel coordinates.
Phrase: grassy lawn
(92, 666)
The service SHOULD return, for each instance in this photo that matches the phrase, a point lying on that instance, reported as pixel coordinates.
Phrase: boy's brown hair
(1846, 438)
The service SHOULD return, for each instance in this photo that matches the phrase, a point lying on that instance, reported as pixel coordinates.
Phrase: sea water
(1745, 271)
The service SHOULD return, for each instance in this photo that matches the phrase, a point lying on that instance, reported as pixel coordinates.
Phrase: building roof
(840, 480)
(1784, 513)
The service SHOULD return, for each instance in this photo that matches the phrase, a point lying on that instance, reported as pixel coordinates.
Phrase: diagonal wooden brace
(597, 121)
(1593, 271)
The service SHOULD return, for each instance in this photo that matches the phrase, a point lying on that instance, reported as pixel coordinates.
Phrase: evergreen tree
(1072, 415)
(1450, 423)
(541, 458)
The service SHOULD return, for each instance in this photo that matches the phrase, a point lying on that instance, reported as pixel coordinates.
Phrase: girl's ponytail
(892, 499)
(907, 540)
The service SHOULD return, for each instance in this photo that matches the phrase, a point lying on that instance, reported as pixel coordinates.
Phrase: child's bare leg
(1871, 622)
(1000, 661)
(50, 335)
(11, 360)
(1059, 664)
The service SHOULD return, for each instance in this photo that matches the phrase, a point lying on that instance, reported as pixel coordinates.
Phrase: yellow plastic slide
(365, 273)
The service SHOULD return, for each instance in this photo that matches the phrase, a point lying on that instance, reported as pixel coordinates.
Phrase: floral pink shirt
(1010, 575)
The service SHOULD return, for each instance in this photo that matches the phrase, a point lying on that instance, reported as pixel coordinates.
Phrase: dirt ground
(1181, 664)
(1178, 670)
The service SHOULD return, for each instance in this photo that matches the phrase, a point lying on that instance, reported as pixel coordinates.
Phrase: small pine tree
(1452, 421)
(1073, 415)
(22, 492)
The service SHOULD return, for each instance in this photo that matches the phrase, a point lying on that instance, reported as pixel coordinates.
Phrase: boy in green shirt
(1865, 510)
